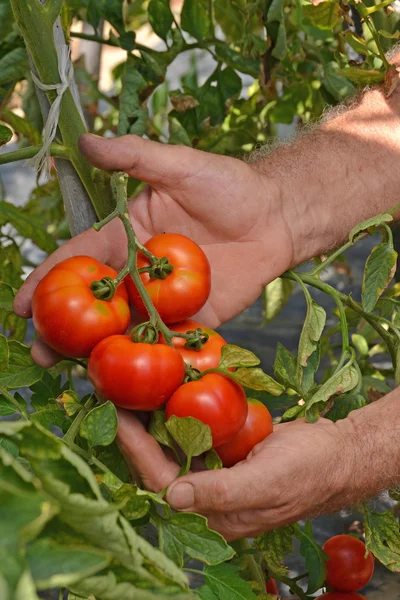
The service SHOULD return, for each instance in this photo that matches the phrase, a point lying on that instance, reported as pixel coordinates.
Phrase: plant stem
(72, 432)
(292, 585)
(88, 456)
(248, 561)
(331, 258)
(24, 153)
(22, 410)
(371, 26)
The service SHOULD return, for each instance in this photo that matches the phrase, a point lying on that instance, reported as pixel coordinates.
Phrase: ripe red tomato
(214, 399)
(184, 291)
(272, 587)
(209, 355)
(66, 314)
(348, 568)
(134, 375)
(342, 596)
(257, 427)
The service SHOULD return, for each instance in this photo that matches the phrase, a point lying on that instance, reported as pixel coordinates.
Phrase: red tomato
(66, 314)
(272, 587)
(206, 358)
(134, 375)
(342, 596)
(257, 427)
(348, 568)
(184, 291)
(214, 399)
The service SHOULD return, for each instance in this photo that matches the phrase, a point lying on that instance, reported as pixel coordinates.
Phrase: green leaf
(379, 271)
(158, 429)
(360, 343)
(193, 436)
(22, 371)
(4, 353)
(382, 537)
(22, 126)
(285, 367)
(36, 443)
(7, 408)
(28, 227)
(53, 565)
(135, 506)
(256, 379)
(7, 295)
(48, 388)
(236, 60)
(187, 534)
(160, 17)
(6, 18)
(362, 76)
(13, 66)
(100, 425)
(225, 582)
(325, 15)
(177, 133)
(344, 405)
(314, 555)
(344, 380)
(5, 134)
(213, 461)
(274, 545)
(280, 48)
(369, 223)
(132, 117)
(275, 11)
(69, 401)
(205, 593)
(229, 16)
(196, 19)
(275, 296)
(313, 327)
(337, 85)
(293, 413)
(234, 356)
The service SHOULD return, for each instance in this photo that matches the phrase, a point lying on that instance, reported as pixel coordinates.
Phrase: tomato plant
(67, 315)
(350, 565)
(216, 401)
(180, 294)
(134, 375)
(257, 427)
(72, 514)
(208, 356)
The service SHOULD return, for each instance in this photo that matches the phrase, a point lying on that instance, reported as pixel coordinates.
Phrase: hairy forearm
(372, 438)
(338, 175)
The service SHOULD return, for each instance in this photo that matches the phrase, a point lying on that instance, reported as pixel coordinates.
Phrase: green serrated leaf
(372, 222)
(213, 461)
(158, 429)
(285, 367)
(274, 545)
(7, 295)
(132, 117)
(346, 379)
(135, 506)
(100, 425)
(225, 582)
(196, 19)
(4, 353)
(275, 296)
(187, 534)
(344, 405)
(294, 412)
(256, 379)
(379, 272)
(236, 60)
(315, 557)
(28, 227)
(234, 356)
(337, 85)
(160, 17)
(69, 400)
(22, 371)
(193, 436)
(177, 133)
(382, 537)
(362, 76)
(312, 330)
(325, 15)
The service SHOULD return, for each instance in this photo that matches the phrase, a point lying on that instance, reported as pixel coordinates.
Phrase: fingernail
(181, 495)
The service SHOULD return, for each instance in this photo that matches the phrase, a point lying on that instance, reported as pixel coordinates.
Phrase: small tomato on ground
(215, 400)
(349, 567)
(135, 375)
(257, 427)
(183, 292)
(66, 314)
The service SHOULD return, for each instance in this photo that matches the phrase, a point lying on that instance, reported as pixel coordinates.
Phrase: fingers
(43, 355)
(149, 161)
(244, 486)
(143, 454)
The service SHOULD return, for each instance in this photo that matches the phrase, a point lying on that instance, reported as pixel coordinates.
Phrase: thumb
(149, 161)
(227, 490)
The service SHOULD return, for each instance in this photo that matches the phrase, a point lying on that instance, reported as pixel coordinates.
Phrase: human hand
(300, 470)
(223, 204)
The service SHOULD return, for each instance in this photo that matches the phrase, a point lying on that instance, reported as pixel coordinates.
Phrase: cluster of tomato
(72, 317)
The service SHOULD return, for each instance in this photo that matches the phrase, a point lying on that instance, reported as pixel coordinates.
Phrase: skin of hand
(287, 207)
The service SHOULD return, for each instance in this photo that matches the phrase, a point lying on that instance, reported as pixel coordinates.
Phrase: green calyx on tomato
(185, 290)
(66, 314)
(135, 375)
(350, 566)
(257, 427)
(215, 400)
(145, 332)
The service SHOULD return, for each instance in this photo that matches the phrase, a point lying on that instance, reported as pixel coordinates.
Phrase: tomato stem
(72, 432)
(248, 561)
